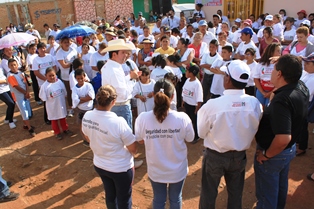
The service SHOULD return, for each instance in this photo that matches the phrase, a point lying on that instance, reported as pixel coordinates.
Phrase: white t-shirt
(150, 37)
(87, 68)
(207, 59)
(252, 67)
(260, 33)
(41, 64)
(208, 37)
(173, 41)
(144, 89)
(83, 91)
(200, 13)
(91, 49)
(155, 29)
(95, 57)
(166, 151)
(30, 58)
(308, 79)
(192, 92)
(53, 50)
(67, 57)
(159, 73)
(288, 35)
(243, 47)
(54, 33)
(186, 36)
(220, 47)
(263, 73)
(177, 72)
(111, 154)
(278, 30)
(54, 95)
(4, 87)
(217, 86)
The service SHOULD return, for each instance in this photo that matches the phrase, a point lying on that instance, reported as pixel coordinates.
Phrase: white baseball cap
(306, 22)
(236, 70)
(237, 20)
(269, 17)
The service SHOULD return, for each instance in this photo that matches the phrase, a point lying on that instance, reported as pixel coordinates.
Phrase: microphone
(129, 65)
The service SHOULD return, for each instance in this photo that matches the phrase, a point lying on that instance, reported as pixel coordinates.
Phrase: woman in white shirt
(164, 132)
(113, 145)
(289, 32)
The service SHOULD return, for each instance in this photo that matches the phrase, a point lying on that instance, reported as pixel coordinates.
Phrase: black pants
(7, 98)
(35, 86)
(250, 90)
(190, 111)
(206, 84)
(45, 113)
(304, 138)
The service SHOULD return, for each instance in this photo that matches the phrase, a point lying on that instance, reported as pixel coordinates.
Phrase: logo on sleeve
(238, 104)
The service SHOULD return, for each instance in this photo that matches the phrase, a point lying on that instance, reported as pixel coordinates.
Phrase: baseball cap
(309, 58)
(202, 23)
(237, 20)
(248, 22)
(247, 31)
(269, 17)
(306, 22)
(237, 69)
(140, 13)
(167, 30)
(302, 11)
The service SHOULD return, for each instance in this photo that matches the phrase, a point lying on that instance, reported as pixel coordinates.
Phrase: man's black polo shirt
(284, 115)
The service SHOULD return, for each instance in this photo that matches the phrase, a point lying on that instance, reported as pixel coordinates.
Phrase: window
(243, 8)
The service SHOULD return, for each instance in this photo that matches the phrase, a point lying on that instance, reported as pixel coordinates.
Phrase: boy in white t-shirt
(192, 96)
(246, 37)
(82, 96)
(249, 60)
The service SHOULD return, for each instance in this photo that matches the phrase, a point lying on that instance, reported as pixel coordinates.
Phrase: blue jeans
(6, 97)
(160, 194)
(118, 188)
(271, 180)
(264, 101)
(125, 112)
(4, 189)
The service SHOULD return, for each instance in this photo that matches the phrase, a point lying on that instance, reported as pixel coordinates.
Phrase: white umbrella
(15, 39)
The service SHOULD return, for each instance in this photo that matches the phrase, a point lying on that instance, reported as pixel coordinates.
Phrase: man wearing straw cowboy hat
(112, 74)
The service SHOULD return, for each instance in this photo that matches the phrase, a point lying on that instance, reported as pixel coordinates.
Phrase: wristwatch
(264, 153)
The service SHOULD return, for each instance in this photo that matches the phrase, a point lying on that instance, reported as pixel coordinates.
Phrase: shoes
(71, 113)
(59, 136)
(12, 125)
(48, 122)
(32, 132)
(300, 152)
(12, 196)
(39, 102)
(85, 143)
(26, 128)
(7, 121)
(309, 177)
(138, 163)
(68, 132)
(195, 140)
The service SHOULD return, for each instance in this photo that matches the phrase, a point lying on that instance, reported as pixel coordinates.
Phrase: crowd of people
(185, 80)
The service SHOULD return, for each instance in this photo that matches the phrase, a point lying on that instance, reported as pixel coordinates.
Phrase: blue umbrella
(74, 31)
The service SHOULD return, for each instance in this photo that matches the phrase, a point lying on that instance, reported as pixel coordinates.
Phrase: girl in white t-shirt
(172, 61)
(289, 32)
(263, 72)
(53, 92)
(113, 146)
(174, 80)
(143, 91)
(86, 55)
(164, 132)
(192, 96)
(160, 62)
(250, 61)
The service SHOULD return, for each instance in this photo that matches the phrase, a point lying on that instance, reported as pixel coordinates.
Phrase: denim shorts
(25, 108)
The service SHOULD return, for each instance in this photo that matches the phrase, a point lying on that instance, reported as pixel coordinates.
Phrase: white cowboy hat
(116, 45)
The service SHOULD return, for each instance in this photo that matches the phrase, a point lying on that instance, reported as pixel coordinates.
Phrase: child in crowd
(249, 60)
(262, 74)
(53, 92)
(143, 91)
(96, 82)
(20, 93)
(77, 63)
(160, 62)
(217, 88)
(174, 80)
(192, 96)
(83, 95)
(172, 61)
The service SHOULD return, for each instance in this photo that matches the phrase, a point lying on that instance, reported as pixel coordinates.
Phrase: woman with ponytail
(164, 132)
(113, 145)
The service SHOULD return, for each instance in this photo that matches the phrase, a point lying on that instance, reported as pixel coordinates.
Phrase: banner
(210, 2)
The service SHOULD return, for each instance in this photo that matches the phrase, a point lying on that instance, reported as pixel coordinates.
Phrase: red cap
(248, 22)
(302, 11)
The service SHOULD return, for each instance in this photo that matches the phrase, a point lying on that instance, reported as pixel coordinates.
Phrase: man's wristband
(264, 153)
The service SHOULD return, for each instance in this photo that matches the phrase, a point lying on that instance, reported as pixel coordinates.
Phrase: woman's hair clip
(162, 90)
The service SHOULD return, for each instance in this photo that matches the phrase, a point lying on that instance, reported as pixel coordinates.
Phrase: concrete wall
(291, 7)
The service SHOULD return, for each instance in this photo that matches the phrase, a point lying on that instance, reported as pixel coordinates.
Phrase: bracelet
(264, 153)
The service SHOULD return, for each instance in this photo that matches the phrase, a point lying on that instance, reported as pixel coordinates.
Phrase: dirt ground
(59, 174)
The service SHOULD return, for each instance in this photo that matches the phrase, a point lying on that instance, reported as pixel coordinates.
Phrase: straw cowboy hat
(110, 32)
(147, 41)
(116, 45)
(29, 26)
